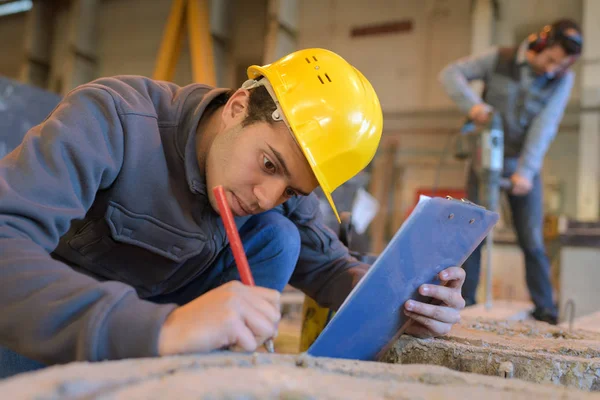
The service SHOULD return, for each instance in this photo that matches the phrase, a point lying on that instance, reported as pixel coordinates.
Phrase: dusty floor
(264, 376)
(532, 351)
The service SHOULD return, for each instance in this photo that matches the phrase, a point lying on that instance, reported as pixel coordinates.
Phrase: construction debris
(528, 350)
(268, 376)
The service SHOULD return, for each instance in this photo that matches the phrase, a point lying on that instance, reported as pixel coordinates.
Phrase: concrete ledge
(528, 350)
(264, 376)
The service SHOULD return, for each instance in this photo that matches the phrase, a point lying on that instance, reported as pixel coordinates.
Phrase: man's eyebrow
(286, 172)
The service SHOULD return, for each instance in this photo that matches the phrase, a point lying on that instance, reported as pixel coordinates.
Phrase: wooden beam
(272, 34)
(201, 46)
(170, 46)
(588, 187)
(38, 39)
(380, 188)
(81, 59)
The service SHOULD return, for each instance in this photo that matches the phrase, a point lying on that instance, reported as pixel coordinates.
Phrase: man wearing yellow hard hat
(111, 243)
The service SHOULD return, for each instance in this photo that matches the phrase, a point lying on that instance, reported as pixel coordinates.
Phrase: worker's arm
(326, 272)
(543, 129)
(48, 312)
(456, 76)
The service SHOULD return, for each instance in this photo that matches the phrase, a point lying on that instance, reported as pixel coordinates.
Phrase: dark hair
(260, 105)
(571, 42)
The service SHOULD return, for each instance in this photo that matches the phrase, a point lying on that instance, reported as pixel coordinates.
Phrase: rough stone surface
(266, 376)
(528, 350)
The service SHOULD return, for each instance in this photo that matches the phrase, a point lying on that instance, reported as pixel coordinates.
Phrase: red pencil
(236, 245)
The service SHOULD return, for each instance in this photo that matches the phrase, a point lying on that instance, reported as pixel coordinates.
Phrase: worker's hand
(480, 113)
(436, 320)
(520, 185)
(231, 315)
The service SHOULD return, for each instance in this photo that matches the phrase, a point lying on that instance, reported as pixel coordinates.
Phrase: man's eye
(290, 192)
(268, 164)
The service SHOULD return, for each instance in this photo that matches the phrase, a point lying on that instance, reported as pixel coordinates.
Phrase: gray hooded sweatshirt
(103, 206)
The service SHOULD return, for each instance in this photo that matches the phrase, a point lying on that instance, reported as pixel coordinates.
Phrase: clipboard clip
(466, 201)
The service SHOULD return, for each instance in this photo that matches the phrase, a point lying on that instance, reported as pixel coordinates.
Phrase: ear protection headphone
(558, 33)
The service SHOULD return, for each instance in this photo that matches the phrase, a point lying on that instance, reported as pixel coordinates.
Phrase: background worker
(110, 239)
(529, 86)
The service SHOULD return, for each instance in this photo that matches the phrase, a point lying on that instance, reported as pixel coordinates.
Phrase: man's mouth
(239, 208)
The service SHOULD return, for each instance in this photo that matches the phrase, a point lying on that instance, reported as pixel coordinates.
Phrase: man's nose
(550, 68)
(269, 194)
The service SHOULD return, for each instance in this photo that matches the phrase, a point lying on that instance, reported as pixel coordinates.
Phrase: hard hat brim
(256, 71)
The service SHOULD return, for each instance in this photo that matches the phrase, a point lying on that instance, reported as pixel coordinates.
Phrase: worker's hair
(566, 33)
(260, 105)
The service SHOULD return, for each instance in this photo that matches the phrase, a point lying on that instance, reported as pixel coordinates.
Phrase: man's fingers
(448, 295)
(270, 311)
(417, 330)
(519, 191)
(270, 295)
(436, 328)
(244, 337)
(453, 276)
(438, 313)
(259, 324)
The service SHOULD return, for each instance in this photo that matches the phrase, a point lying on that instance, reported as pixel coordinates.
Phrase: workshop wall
(402, 66)
(407, 63)
(12, 44)
(129, 34)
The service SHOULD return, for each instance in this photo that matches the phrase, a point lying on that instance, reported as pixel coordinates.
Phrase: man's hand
(436, 320)
(520, 185)
(480, 113)
(230, 315)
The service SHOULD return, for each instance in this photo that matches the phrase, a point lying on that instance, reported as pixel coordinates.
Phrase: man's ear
(236, 108)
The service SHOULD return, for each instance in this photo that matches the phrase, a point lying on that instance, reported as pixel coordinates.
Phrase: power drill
(485, 147)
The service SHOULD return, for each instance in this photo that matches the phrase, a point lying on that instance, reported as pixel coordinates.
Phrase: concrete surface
(503, 310)
(264, 376)
(528, 350)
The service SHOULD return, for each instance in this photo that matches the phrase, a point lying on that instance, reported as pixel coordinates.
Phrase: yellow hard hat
(332, 111)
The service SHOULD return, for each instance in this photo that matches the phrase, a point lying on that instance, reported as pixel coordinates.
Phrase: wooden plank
(380, 188)
(170, 46)
(397, 213)
(201, 45)
(35, 69)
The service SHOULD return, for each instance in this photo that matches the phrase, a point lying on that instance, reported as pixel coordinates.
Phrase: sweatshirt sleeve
(49, 312)
(325, 271)
(455, 77)
(543, 130)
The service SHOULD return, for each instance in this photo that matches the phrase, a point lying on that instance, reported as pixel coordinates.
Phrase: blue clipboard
(439, 233)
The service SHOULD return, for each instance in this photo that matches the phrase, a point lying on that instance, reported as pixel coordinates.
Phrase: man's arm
(456, 76)
(543, 129)
(326, 272)
(49, 312)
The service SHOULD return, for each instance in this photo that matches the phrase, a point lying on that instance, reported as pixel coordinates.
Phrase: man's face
(260, 166)
(549, 60)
